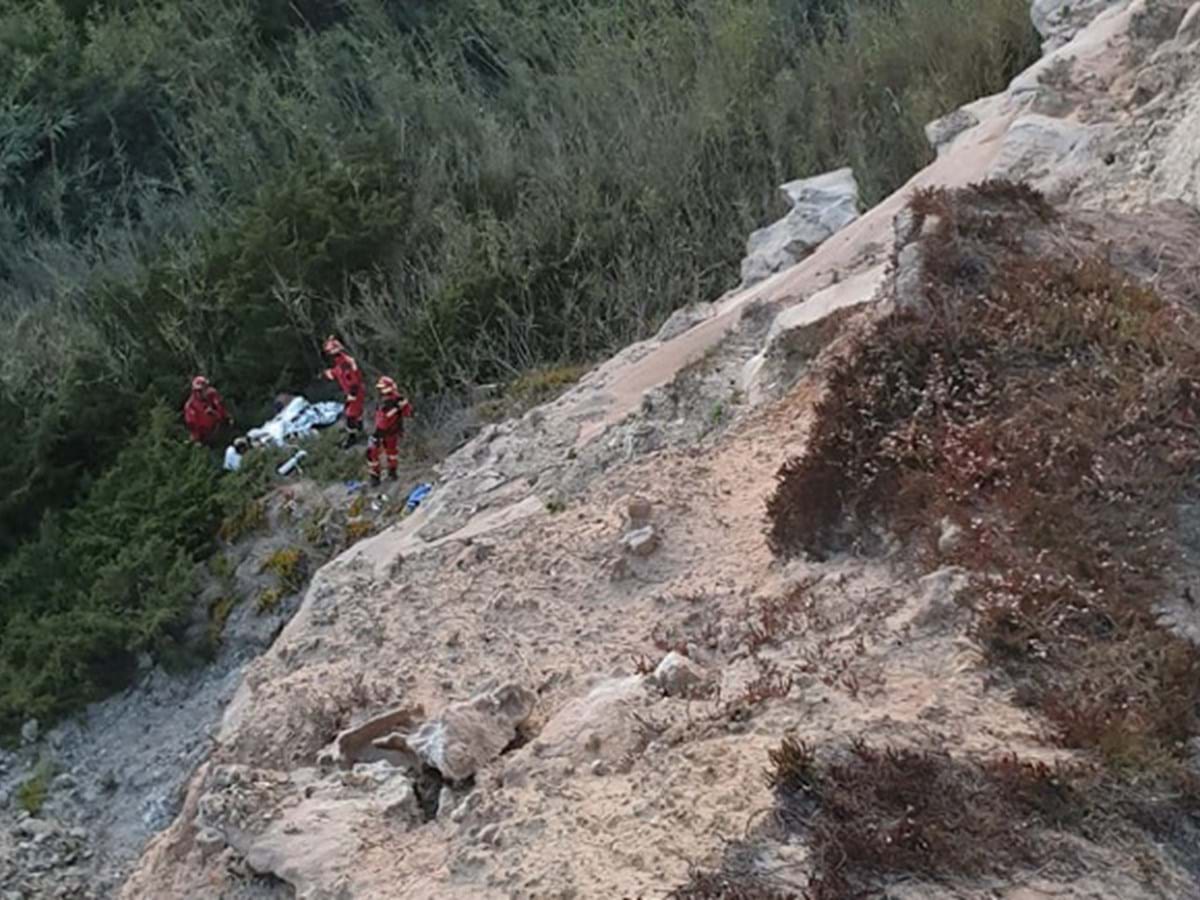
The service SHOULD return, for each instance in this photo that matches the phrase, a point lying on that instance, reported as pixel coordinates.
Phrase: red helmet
(332, 345)
(199, 383)
(387, 387)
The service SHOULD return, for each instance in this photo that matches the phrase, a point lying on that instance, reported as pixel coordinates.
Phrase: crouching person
(393, 409)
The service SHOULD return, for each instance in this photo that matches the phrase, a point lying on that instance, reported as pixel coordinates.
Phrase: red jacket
(347, 374)
(390, 416)
(204, 413)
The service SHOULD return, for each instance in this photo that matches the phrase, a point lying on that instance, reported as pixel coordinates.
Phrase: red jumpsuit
(204, 413)
(348, 375)
(389, 427)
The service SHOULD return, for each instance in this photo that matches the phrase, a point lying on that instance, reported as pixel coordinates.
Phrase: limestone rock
(1189, 28)
(351, 744)
(677, 676)
(799, 333)
(941, 132)
(683, 319)
(821, 207)
(602, 725)
(950, 536)
(302, 827)
(467, 736)
(641, 541)
(1039, 147)
(1058, 21)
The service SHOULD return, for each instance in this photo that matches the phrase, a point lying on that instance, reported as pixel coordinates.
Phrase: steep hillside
(567, 553)
(829, 590)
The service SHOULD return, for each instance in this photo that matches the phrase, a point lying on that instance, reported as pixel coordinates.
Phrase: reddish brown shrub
(1048, 406)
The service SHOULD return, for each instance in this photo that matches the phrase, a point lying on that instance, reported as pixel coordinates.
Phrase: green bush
(34, 791)
(108, 579)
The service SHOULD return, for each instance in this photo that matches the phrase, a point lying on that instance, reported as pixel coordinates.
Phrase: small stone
(446, 803)
(490, 835)
(676, 676)
(209, 841)
(642, 541)
(30, 731)
(638, 509)
(599, 768)
(950, 538)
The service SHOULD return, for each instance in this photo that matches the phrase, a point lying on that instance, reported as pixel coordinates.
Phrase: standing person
(204, 412)
(345, 371)
(393, 409)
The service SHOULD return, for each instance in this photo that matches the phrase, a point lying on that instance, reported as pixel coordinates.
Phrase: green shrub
(268, 600)
(107, 580)
(218, 614)
(290, 566)
(35, 790)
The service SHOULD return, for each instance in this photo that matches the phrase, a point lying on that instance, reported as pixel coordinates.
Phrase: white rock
(1057, 21)
(469, 735)
(683, 319)
(821, 207)
(941, 132)
(641, 541)
(676, 676)
(1189, 28)
(799, 333)
(950, 537)
(29, 731)
(1037, 144)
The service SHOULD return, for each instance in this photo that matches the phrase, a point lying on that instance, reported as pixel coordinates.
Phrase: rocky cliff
(565, 675)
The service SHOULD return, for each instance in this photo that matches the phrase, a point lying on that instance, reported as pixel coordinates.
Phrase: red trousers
(378, 447)
(354, 412)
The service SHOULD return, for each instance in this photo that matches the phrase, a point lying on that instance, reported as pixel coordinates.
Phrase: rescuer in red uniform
(345, 371)
(204, 412)
(389, 427)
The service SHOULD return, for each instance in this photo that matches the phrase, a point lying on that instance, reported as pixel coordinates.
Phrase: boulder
(30, 731)
(1058, 21)
(682, 320)
(820, 207)
(1038, 146)
(941, 132)
(602, 725)
(799, 333)
(638, 510)
(641, 541)
(677, 676)
(303, 828)
(467, 736)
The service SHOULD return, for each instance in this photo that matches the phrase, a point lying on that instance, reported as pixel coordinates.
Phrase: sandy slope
(618, 795)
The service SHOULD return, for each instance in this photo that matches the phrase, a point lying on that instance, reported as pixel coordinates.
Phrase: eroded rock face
(821, 207)
(1057, 21)
(299, 826)
(467, 736)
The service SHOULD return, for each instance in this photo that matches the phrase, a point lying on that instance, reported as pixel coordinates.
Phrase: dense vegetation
(465, 189)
